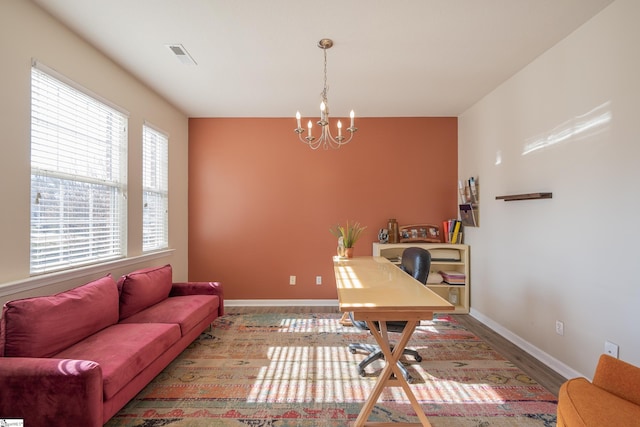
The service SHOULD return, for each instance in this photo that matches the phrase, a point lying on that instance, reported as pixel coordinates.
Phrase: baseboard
(281, 302)
(534, 351)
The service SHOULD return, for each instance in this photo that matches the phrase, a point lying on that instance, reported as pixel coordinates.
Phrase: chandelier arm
(326, 139)
(335, 142)
(308, 140)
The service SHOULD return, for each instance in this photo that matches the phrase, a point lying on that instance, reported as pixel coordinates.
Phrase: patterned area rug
(286, 370)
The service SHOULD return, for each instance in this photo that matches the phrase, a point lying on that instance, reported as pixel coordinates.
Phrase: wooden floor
(547, 377)
(544, 375)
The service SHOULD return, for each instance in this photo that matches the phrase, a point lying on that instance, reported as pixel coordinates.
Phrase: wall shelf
(528, 196)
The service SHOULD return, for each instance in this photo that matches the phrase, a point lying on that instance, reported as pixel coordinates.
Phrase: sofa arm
(47, 392)
(199, 288)
(618, 377)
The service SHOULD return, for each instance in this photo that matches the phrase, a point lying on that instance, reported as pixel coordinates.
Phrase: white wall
(574, 257)
(27, 32)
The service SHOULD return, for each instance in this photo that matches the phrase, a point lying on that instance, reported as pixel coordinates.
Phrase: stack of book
(453, 277)
(452, 231)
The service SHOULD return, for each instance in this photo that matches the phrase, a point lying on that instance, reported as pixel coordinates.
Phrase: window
(78, 175)
(155, 189)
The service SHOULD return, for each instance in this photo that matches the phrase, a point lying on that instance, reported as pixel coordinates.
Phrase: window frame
(155, 188)
(78, 208)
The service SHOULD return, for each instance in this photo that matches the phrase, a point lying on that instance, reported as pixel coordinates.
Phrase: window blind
(155, 189)
(78, 176)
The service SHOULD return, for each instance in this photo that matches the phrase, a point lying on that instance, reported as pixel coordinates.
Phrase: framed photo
(426, 233)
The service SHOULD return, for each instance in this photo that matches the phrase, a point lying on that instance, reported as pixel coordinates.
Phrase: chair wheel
(418, 358)
(361, 372)
(410, 380)
(352, 350)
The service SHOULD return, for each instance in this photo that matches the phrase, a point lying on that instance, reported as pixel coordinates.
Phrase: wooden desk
(376, 290)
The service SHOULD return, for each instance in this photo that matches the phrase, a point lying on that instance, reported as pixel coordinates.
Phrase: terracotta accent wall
(261, 203)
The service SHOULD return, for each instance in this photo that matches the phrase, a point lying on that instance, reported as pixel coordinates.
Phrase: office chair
(415, 262)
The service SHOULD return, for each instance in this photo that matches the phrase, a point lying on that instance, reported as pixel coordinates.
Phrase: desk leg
(385, 380)
(344, 320)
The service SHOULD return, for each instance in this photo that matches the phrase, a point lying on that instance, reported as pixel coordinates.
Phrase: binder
(456, 231)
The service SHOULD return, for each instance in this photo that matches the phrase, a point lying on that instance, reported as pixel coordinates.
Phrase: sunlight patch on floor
(309, 374)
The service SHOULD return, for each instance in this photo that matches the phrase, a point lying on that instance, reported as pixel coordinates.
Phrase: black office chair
(416, 262)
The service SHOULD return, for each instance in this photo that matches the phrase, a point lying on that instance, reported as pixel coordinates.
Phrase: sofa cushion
(187, 311)
(123, 351)
(618, 377)
(580, 403)
(43, 326)
(143, 288)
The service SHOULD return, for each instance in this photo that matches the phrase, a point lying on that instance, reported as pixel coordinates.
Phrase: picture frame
(420, 233)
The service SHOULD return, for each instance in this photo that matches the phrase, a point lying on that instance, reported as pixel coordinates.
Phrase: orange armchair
(611, 399)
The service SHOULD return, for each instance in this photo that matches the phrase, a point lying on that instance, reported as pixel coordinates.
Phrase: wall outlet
(611, 349)
(292, 280)
(559, 327)
(318, 280)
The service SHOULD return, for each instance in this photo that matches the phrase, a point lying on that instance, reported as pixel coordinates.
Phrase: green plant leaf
(349, 233)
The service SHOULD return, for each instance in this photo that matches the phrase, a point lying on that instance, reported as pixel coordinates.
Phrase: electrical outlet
(292, 280)
(611, 349)
(318, 280)
(559, 327)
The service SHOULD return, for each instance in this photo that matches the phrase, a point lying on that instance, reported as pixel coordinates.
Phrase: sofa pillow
(144, 288)
(44, 326)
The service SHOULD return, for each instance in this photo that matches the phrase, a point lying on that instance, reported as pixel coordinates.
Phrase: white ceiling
(259, 58)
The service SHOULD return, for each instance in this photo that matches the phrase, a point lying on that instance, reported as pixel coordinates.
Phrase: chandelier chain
(325, 88)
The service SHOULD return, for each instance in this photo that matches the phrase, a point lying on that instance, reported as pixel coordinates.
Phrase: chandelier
(325, 139)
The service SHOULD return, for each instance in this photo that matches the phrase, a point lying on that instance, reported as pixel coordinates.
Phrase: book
(445, 231)
(467, 215)
(473, 191)
(452, 231)
(453, 277)
(456, 231)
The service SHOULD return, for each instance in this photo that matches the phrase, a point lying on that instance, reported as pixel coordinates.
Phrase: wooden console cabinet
(444, 257)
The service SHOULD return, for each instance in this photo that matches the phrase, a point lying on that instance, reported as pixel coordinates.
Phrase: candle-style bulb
(298, 118)
(339, 128)
(352, 115)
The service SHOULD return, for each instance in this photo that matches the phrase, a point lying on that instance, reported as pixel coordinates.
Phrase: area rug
(285, 370)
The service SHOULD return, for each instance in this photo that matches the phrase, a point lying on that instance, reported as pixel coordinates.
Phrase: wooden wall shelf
(528, 196)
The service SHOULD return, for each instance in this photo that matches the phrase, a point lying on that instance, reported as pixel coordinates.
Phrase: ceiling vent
(181, 53)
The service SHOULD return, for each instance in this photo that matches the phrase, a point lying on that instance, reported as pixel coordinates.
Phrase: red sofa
(76, 358)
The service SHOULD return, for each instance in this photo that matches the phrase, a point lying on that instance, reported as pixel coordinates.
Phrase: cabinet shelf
(445, 257)
(443, 262)
(444, 285)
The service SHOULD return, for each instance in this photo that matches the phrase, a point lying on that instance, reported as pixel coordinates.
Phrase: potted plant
(347, 236)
